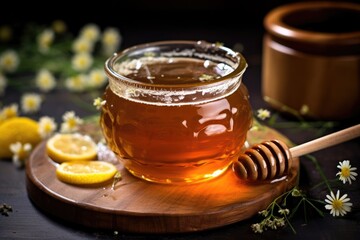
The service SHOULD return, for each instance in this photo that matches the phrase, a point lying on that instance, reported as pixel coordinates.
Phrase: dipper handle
(273, 159)
(326, 141)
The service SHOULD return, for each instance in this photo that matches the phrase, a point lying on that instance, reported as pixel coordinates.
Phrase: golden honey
(178, 113)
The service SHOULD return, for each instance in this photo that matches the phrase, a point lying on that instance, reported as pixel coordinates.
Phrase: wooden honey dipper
(272, 159)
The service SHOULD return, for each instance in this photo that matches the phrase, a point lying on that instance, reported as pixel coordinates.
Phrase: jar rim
(178, 93)
(237, 71)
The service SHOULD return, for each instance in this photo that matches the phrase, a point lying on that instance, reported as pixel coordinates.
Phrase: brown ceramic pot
(311, 59)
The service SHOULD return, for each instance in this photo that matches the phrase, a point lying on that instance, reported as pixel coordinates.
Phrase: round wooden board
(143, 207)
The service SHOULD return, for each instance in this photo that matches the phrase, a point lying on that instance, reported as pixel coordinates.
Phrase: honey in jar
(176, 111)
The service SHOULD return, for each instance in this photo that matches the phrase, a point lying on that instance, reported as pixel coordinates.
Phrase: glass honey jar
(176, 111)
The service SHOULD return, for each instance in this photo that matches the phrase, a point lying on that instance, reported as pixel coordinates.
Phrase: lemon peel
(85, 172)
(18, 129)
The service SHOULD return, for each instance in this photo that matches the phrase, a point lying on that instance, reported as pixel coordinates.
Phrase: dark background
(175, 19)
(227, 21)
(141, 21)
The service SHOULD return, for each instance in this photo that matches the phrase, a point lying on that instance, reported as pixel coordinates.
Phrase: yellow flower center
(83, 47)
(82, 62)
(110, 39)
(48, 127)
(22, 153)
(46, 40)
(337, 204)
(44, 80)
(8, 62)
(345, 172)
(31, 103)
(90, 34)
(97, 78)
(71, 122)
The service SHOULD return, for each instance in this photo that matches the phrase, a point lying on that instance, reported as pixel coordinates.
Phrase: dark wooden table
(28, 222)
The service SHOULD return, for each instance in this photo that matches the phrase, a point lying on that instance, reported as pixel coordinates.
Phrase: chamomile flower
(91, 32)
(9, 112)
(82, 45)
(347, 173)
(76, 83)
(70, 122)
(30, 102)
(338, 205)
(59, 26)
(110, 40)
(98, 103)
(9, 61)
(263, 113)
(45, 80)
(82, 62)
(20, 152)
(47, 126)
(45, 39)
(97, 78)
(3, 84)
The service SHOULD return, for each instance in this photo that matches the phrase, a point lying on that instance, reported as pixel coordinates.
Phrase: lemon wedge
(85, 172)
(17, 129)
(64, 147)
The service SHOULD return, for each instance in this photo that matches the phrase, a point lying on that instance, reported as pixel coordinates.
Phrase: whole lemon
(17, 129)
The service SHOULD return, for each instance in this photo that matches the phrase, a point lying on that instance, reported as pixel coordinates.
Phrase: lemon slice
(85, 172)
(64, 147)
